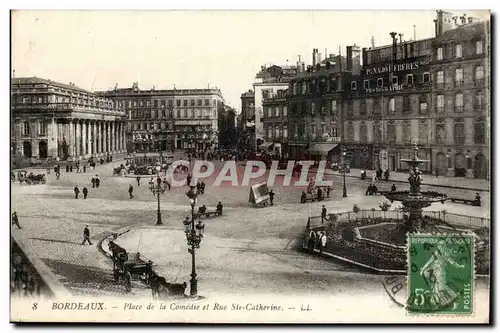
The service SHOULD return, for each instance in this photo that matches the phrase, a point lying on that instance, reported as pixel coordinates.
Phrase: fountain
(377, 239)
(414, 200)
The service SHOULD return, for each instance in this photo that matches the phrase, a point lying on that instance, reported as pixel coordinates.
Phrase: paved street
(252, 247)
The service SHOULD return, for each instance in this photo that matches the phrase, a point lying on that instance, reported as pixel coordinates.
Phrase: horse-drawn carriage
(128, 269)
(30, 178)
(259, 195)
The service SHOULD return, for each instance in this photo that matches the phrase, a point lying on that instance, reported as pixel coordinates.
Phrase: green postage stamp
(440, 274)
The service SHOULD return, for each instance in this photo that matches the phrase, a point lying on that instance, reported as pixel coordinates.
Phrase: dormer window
(353, 85)
(380, 82)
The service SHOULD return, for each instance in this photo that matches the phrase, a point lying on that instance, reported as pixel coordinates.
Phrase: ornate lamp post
(194, 235)
(344, 189)
(157, 190)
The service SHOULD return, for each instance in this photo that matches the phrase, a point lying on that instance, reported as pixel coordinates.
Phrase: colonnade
(83, 138)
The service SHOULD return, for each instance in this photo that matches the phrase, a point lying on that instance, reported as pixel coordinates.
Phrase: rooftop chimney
(315, 59)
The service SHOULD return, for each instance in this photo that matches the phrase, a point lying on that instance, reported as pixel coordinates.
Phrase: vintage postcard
(207, 167)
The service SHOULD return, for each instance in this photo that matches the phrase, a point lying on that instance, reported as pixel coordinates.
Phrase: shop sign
(410, 66)
(394, 87)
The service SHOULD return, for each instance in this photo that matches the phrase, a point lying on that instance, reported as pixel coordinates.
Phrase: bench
(311, 198)
(467, 201)
(208, 214)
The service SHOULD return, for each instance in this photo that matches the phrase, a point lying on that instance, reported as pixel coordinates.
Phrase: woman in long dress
(434, 272)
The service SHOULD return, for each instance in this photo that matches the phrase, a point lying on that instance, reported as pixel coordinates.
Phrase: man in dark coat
(219, 208)
(323, 214)
(77, 191)
(130, 192)
(86, 235)
(93, 182)
(138, 178)
(97, 181)
(271, 197)
(15, 220)
(85, 192)
(393, 188)
(202, 187)
(189, 179)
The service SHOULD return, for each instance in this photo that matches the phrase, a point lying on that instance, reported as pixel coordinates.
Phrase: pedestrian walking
(386, 175)
(328, 191)
(189, 179)
(219, 208)
(202, 187)
(77, 191)
(71, 168)
(97, 181)
(15, 220)
(323, 214)
(131, 191)
(85, 192)
(393, 188)
(67, 167)
(138, 178)
(86, 235)
(84, 168)
(271, 197)
(93, 182)
(322, 242)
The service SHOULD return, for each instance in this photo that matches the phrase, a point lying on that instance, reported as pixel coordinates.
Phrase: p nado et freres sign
(409, 66)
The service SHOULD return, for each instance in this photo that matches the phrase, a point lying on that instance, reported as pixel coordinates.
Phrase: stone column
(78, 139)
(94, 138)
(84, 138)
(108, 137)
(113, 146)
(71, 139)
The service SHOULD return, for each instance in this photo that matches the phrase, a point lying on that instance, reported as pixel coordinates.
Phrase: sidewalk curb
(405, 182)
(115, 235)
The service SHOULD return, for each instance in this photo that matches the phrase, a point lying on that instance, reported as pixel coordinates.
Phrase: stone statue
(415, 180)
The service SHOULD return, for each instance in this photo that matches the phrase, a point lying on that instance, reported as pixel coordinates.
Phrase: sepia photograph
(250, 166)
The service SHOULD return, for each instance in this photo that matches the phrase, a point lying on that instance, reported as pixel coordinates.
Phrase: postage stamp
(440, 274)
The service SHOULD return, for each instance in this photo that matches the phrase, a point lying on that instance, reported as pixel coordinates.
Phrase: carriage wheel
(128, 282)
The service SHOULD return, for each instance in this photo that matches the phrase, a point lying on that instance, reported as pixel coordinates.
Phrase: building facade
(247, 123)
(56, 121)
(461, 90)
(388, 106)
(275, 110)
(315, 106)
(160, 120)
(268, 81)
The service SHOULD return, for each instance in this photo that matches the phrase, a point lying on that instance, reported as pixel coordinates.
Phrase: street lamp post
(344, 189)
(194, 235)
(157, 190)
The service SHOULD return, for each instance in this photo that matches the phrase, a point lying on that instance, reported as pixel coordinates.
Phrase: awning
(322, 148)
(266, 145)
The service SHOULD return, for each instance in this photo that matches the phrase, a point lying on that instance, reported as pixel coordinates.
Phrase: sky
(192, 49)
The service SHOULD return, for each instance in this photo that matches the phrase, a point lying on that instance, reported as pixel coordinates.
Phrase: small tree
(384, 206)
(355, 208)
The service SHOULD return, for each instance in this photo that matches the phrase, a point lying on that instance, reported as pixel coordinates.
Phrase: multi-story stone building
(56, 121)
(315, 105)
(460, 93)
(161, 120)
(431, 92)
(247, 123)
(268, 80)
(388, 106)
(275, 108)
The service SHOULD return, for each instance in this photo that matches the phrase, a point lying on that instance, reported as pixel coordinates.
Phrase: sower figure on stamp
(86, 235)
(434, 272)
(15, 220)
